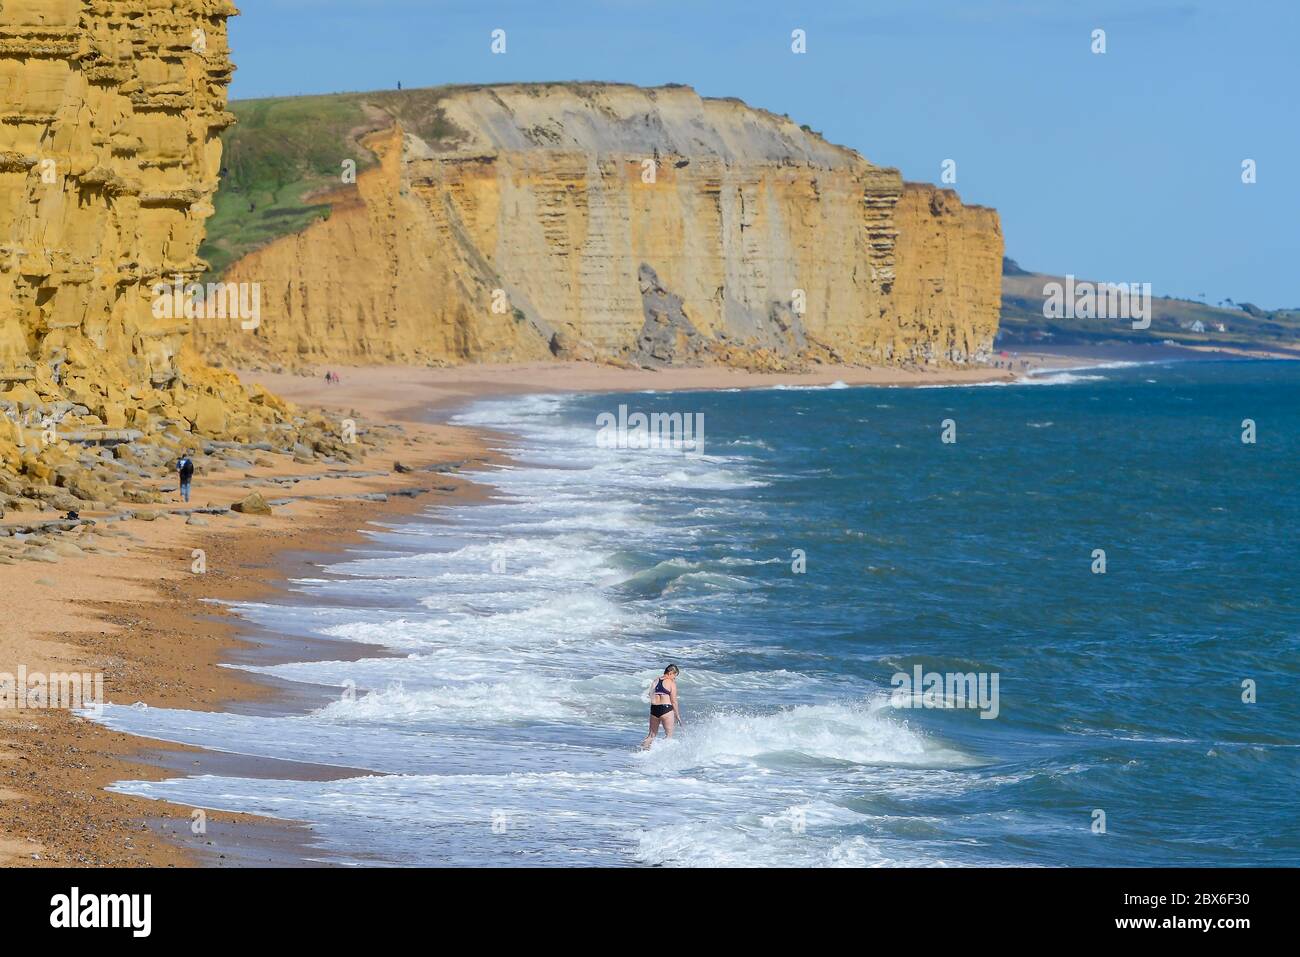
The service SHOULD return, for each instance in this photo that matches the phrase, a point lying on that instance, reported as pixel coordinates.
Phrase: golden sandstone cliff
(109, 155)
(596, 221)
(617, 223)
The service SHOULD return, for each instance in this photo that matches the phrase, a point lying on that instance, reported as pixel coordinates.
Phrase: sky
(1122, 166)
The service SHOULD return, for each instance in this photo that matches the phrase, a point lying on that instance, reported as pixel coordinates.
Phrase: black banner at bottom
(336, 905)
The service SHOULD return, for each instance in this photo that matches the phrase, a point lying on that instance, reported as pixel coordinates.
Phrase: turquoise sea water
(528, 629)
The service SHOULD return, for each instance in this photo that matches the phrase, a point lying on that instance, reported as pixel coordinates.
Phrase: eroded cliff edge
(109, 156)
(612, 222)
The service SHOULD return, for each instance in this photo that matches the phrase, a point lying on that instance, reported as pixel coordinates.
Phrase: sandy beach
(130, 607)
(405, 393)
(127, 604)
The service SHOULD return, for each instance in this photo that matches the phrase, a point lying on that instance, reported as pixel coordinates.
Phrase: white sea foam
(1033, 379)
(521, 634)
(830, 732)
(836, 385)
(805, 834)
(1115, 364)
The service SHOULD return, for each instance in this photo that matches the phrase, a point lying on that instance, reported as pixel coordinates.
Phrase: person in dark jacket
(185, 468)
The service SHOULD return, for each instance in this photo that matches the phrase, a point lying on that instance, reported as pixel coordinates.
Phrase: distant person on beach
(664, 709)
(185, 468)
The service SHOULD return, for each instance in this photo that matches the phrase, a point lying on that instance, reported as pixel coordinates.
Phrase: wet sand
(400, 393)
(139, 615)
(142, 618)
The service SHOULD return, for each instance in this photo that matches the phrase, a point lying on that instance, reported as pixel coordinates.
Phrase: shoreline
(441, 389)
(159, 634)
(123, 609)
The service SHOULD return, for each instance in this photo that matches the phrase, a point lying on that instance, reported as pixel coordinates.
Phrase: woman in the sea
(664, 708)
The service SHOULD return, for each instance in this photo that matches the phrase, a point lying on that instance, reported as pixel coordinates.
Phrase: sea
(1052, 623)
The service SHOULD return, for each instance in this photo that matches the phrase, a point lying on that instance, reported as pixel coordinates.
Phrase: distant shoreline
(140, 615)
(411, 393)
(132, 609)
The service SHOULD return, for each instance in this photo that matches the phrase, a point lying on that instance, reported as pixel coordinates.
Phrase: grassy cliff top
(1244, 325)
(285, 155)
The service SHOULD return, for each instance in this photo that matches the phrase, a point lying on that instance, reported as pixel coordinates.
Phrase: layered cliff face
(379, 281)
(948, 288)
(611, 222)
(109, 156)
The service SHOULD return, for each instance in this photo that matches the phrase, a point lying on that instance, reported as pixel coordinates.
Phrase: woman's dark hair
(671, 670)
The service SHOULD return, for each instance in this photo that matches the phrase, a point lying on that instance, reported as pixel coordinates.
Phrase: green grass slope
(284, 157)
(285, 154)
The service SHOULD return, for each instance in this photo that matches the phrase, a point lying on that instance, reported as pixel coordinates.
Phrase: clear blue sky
(1121, 167)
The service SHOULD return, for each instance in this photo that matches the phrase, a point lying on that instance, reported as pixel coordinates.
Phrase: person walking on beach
(185, 468)
(664, 707)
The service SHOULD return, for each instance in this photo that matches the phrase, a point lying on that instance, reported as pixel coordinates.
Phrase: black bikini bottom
(659, 710)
